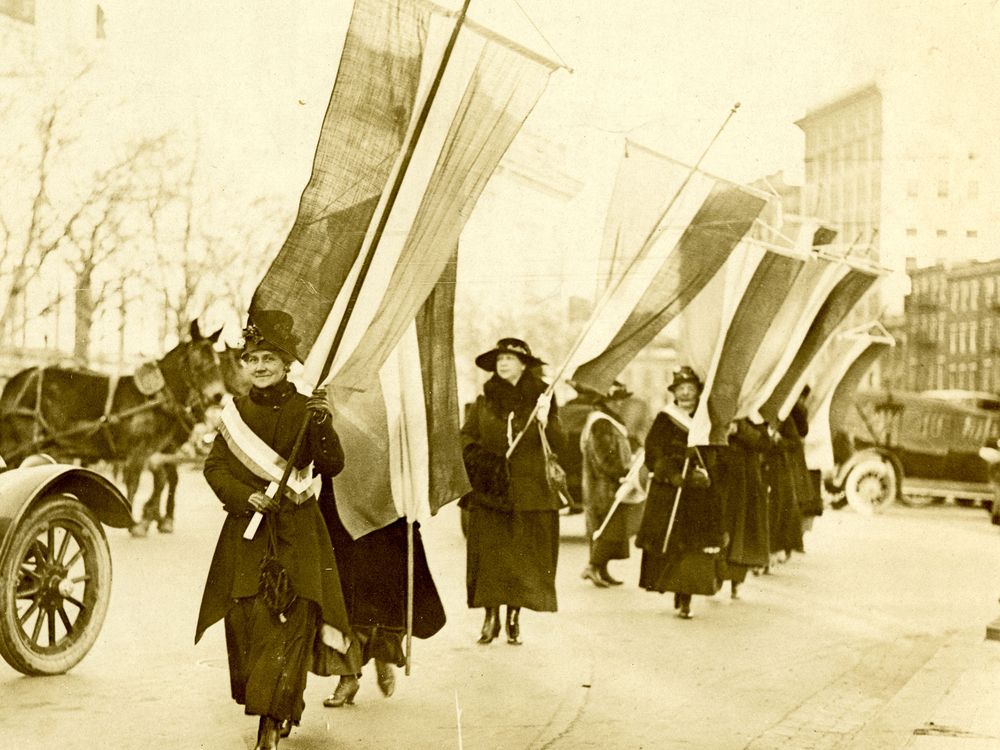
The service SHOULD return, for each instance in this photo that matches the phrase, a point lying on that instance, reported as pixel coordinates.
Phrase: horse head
(193, 373)
(234, 374)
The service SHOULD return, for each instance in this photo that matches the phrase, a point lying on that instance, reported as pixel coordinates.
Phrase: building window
(973, 376)
(942, 188)
(972, 338)
(987, 334)
(911, 231)
(953, 339)
(989, 288)
(952, 382)
(961, 337)
(984, 374)
(942, 233)
(961, 375)
(911, 189)
(972, 233)
(974, 294)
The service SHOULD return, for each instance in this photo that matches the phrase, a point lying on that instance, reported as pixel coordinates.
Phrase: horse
(163, 465)
(77, 414)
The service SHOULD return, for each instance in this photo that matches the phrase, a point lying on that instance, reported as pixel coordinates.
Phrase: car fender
(21, 489)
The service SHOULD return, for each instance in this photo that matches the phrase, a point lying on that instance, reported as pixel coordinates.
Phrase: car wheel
(870, 485)
(55, 585)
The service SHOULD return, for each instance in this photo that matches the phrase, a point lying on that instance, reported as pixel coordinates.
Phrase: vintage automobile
(919, 447)
(55, 564)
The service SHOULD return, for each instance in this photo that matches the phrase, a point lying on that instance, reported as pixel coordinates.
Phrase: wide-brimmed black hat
(488, 360)
(278, 326)
(684, 374)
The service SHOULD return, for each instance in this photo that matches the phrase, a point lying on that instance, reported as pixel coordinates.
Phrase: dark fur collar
(504, 398)
(273, 395)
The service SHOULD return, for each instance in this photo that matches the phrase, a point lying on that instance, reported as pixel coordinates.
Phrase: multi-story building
(950, 336)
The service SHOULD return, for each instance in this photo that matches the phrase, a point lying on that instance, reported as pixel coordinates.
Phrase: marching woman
(278, 591)
(745, 496)
(683, 513)
(513, 540)
(373, 576)
(607, 455)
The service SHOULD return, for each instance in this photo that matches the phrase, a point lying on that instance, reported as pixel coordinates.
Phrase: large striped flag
(838, 369)
(668, 232)
(722, 330)
(856, 282)
(729, 328)
(423, 107)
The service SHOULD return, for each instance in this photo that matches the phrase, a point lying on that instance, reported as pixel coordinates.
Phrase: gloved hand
(698, 479)
(319, 405)
(262, 503)
(542, 414)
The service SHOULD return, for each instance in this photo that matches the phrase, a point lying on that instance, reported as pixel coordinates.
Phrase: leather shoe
(491, 626)
(514, 626)
(345, 691)
(590, 574)
(386, 678)
(606, 576)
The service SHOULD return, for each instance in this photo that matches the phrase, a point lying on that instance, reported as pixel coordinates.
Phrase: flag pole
(677, 502)
(612, 288)
(377, 236)
(409, 593)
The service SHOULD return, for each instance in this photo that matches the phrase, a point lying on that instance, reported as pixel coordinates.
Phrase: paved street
(872, 639)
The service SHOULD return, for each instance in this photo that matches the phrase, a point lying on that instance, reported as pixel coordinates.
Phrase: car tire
(55, 586)
(871, 485)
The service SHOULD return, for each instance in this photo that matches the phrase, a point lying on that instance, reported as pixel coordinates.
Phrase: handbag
(275, 584)
(555, 475)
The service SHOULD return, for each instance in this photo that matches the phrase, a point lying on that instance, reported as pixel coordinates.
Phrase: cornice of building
(854, 95)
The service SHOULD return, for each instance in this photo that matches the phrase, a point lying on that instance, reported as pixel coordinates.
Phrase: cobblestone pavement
(873, 639)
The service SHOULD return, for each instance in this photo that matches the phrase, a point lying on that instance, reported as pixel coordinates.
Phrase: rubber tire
(88, 532)
(860, 479)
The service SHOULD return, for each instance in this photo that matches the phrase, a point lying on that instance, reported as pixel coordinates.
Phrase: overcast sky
(662, 71)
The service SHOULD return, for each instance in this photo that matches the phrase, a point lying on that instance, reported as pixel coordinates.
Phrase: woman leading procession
(293, 620)
(513, 538)
(681, 531)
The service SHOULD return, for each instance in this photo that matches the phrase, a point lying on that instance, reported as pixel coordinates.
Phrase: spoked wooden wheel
(56, 584)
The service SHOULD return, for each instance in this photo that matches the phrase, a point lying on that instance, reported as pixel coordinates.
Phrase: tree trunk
(84, 319)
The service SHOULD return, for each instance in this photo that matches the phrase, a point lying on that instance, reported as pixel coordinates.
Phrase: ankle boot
(513, 626)
(267, 734)
(491, 625)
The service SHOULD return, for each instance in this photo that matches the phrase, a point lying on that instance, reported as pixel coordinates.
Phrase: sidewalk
(954, 696)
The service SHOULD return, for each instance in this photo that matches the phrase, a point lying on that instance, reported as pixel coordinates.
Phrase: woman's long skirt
(269, 659)
(511, 558)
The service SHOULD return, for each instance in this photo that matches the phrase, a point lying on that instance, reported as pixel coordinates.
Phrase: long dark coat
(606, 459)
(274, 414)
(791, 487)
(513, 542)
(745, 493)
(373, 577)
(698, 522)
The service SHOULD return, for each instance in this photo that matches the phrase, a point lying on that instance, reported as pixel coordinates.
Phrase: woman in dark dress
(275, 633)
(513, 540)
(373, 576)
(697, 522)
(745, 495)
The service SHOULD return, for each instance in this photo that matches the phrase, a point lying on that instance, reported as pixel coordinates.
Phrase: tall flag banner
(722, 330)
(789, 327)
(841, 365)
(848, 292)
(389, 68)
(664, 240)
(403, 433)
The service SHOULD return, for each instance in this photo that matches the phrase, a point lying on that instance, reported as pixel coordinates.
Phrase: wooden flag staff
(612, 288)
